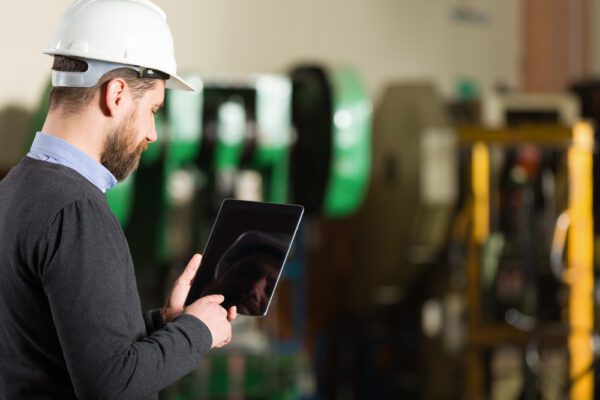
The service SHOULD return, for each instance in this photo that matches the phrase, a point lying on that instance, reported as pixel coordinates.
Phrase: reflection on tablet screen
(247, 272)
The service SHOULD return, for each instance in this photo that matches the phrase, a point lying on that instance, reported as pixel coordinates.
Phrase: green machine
(331, 161)
(309, 136)
(248, 132)
(243, 152)
(268, 137)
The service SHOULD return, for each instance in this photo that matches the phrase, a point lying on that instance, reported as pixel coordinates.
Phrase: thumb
(232, 313)
(188, 274)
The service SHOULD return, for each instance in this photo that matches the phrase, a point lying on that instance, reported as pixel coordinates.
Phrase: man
(70, 318)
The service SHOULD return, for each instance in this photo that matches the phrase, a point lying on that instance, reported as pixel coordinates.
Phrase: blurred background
(445, 152)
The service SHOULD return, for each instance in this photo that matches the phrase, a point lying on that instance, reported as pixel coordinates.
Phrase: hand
(180, 290)
(208, 310)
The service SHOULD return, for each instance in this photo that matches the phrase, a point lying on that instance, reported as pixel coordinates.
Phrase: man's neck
(80, 131)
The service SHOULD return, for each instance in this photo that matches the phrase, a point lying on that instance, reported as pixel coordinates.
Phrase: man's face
(247, 283)
(125, 144)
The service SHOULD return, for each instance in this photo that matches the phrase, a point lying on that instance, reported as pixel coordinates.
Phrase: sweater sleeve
(88, 277)
(153, 320)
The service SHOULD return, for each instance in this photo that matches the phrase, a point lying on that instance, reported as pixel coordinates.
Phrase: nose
(152, 135)
(255, 295)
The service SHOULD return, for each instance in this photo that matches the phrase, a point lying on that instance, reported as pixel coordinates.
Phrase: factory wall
(595, 28)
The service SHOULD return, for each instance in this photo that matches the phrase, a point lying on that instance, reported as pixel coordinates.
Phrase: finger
(213, 298)
(232, 314)
(191, 268)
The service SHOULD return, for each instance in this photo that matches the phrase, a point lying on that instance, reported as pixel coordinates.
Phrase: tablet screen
(245, 254)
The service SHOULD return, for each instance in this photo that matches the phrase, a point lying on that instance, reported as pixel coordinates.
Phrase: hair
(73, 99)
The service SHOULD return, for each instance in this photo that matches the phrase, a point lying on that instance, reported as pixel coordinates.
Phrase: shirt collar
(52, 149)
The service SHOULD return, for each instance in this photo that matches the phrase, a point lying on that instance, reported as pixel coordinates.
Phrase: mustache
(142, 146)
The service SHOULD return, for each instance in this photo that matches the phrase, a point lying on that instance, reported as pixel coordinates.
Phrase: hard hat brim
(175, 82)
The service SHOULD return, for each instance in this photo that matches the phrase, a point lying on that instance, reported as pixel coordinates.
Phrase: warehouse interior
(446, 155)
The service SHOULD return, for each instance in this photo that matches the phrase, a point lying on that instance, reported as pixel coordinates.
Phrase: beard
(120, 155)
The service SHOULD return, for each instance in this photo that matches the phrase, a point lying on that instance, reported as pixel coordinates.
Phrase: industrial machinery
(379, 257)
(331, 160)
(413, 192)
(525, 309)
(502, 271)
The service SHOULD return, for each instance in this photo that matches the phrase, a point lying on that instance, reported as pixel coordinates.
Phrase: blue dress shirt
(52, 149)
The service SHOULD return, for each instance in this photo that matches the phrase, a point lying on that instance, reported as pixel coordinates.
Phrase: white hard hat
(117, 33)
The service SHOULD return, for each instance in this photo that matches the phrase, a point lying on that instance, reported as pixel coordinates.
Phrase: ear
(114, 97)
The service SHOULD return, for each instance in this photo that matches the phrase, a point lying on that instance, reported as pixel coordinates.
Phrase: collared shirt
(52, 149)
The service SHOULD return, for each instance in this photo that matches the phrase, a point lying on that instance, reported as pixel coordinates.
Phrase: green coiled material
(331, 160)
(351, 167)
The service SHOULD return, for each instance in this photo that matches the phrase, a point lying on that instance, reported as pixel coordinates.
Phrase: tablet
(245, 254)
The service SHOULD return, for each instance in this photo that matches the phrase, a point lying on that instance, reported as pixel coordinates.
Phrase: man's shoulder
(54, 186)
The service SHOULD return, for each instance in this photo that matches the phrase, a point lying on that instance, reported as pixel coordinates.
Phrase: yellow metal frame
(481, 192)
(580, 143)
(580, 261)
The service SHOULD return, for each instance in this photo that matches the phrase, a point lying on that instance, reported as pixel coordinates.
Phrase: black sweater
(71, 325)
